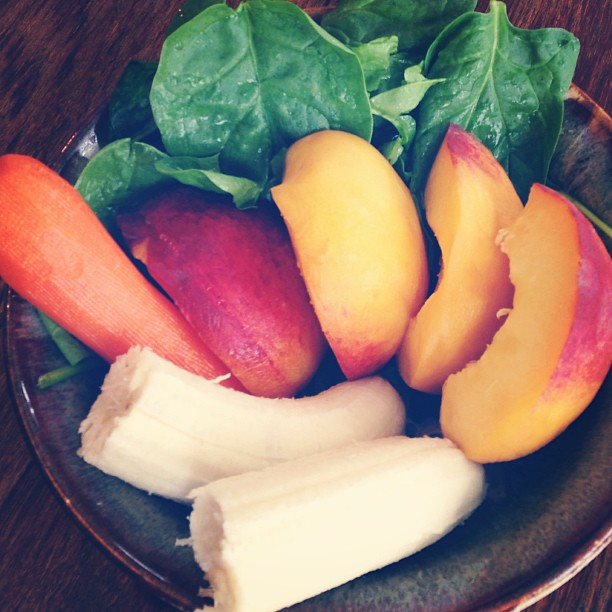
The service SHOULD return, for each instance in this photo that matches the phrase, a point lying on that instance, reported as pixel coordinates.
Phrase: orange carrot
(58, 256)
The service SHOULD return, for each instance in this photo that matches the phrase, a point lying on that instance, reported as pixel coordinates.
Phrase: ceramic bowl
(544, 517)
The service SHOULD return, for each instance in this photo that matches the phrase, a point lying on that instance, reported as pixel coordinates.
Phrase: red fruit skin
(587, 354)
(234, 277)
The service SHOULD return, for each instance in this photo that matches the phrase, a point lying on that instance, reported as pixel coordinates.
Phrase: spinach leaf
(243, 84)
(87, 365)
(79, 357)
(394, 103)
(376, 57)
(121, 174)
(204, 173)
(117, 174)
(128, 112)
(394, 77)
(415, 22)
(72, 349)
(394, 106)
(392, 147)
(505, 85)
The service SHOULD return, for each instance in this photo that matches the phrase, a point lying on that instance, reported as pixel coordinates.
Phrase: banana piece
(167, 431)
(272, 538)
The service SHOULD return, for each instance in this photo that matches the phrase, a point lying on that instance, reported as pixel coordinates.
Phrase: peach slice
(359, 245)
(551, 355)
(468, 199)
(234, 276)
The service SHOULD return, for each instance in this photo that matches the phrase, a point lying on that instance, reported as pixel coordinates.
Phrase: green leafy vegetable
(116, 174)
(235, 87)
(395, 104)
(505, 85)
(393, 149)
(79, 357)
(415, 22)
(204, 173)
(89, 364)
(395, 76)
(405, 97)
(243, 84)
(376, 58)
(128, 113)
(72, 349)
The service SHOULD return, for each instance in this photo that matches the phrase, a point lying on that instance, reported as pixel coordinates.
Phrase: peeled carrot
(58, 256)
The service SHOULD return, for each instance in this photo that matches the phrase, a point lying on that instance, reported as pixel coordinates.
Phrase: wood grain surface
(59, 61)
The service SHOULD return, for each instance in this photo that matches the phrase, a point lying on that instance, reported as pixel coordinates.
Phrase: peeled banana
(167, 431)
(274, 537)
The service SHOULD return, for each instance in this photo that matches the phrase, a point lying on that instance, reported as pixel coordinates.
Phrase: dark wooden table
(59, 61)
